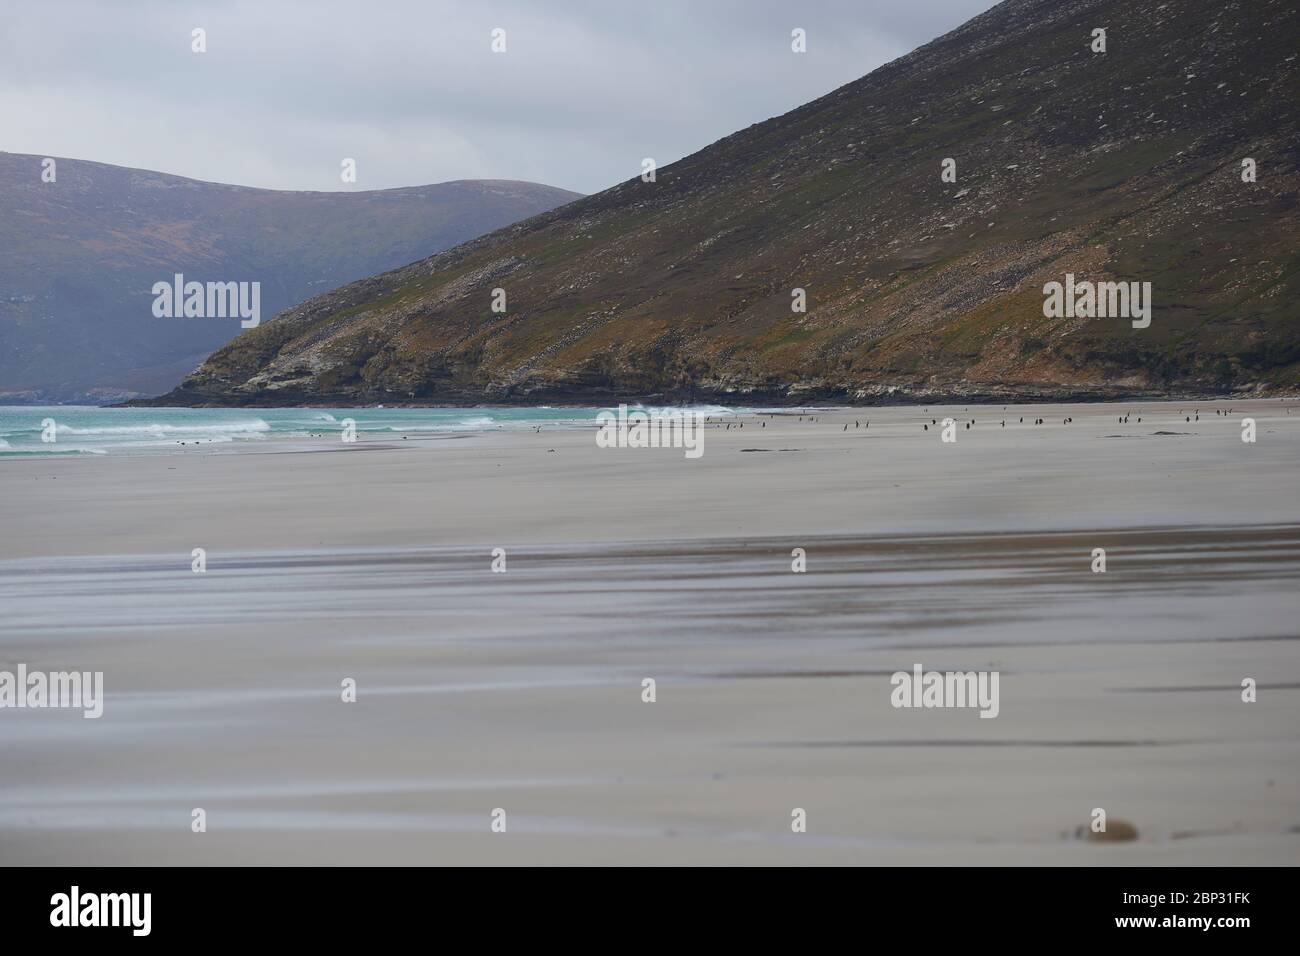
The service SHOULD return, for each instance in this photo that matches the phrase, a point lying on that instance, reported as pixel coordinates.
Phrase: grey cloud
(410, 89)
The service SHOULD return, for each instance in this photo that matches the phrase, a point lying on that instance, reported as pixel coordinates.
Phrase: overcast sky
(412, 90)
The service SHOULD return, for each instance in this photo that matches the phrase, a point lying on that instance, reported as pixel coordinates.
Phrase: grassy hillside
(1121, 165)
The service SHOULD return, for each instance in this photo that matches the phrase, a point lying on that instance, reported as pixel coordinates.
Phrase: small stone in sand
(1117, 831)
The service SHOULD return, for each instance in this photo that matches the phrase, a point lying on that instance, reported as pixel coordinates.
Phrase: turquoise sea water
(90, 430)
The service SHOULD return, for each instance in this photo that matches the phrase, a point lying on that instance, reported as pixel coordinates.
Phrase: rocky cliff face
(82, 252)
(1117, 166)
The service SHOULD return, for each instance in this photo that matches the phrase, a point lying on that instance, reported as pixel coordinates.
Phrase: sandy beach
(523, 690)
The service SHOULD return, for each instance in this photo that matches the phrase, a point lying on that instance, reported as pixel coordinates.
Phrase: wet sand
(522, 690)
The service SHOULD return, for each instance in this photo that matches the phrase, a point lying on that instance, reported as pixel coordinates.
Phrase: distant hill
(81, 255)
(1118, 165)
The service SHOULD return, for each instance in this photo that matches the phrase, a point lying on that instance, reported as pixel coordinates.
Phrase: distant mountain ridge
(1123, 165)
(82, 253)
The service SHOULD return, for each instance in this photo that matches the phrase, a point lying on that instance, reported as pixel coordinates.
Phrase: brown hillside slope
(1124, 165)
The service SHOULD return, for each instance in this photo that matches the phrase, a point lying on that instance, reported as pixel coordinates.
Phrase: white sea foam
(53, 449)
(704, 410)
(456, 426)
(93, 430)
(156, 428)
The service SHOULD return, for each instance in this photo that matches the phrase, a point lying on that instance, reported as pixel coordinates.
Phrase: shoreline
(890, 397)
(776, 475)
